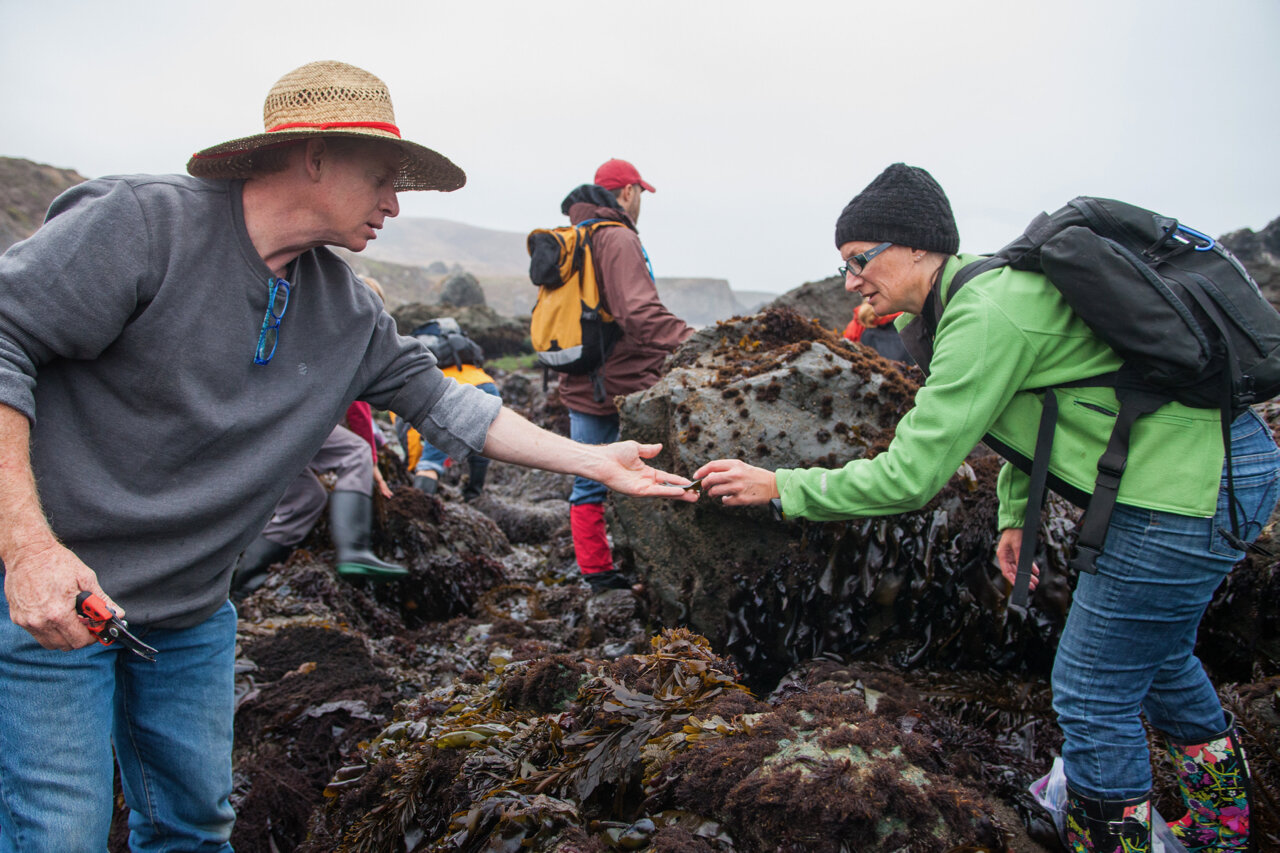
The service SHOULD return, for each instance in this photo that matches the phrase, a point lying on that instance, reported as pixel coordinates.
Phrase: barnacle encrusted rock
(778, 390)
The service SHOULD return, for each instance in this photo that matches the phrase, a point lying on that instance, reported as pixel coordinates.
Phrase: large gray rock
(825, 300)
(699, 301)
(496, 334)
(779, 391)
(461, 288)
(1260, 253)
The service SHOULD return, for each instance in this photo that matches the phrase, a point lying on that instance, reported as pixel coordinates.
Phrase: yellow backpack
(570, 331)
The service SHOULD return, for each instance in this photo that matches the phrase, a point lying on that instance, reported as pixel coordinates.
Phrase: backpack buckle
(1245, 394)
(1085, 559)
(1110, 468)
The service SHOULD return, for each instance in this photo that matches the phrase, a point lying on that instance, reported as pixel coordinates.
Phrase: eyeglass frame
(271, 320)
(861, 259)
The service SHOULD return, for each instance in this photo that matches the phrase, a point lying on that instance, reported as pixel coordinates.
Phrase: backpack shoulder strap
(918, 335)
(969, 272)
(1111, 464)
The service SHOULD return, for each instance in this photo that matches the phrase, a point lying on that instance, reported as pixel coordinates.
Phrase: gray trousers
(344, 453)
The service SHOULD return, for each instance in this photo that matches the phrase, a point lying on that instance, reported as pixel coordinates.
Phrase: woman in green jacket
(1128, 645)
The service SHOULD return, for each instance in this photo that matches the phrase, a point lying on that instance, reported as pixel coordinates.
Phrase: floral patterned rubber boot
(1214, 779)
(1108, 826)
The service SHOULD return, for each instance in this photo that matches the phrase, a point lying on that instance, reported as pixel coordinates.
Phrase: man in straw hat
(188, 343)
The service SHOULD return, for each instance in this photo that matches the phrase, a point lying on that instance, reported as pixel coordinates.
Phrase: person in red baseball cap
(623, 180)
(649, 332)
(615, 174)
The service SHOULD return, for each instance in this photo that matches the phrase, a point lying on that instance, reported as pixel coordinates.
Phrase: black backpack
(448, 343)
(1177, 307)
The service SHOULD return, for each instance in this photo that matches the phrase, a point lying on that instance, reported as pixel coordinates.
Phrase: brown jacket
(649, 331)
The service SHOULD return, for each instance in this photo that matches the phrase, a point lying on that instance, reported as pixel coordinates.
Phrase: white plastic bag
(1050, 791)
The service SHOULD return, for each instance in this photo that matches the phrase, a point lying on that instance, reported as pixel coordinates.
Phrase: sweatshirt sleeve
(70, 289)
(631, 294)
(405, 379)
(980, 360)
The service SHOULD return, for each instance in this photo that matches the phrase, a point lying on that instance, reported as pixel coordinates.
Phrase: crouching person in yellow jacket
(462, 359)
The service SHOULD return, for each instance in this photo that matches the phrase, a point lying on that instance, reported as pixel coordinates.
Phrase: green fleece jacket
(1004, 333)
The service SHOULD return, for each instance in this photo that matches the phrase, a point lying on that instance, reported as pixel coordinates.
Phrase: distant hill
(402, 284)
(500, 261)
(411, 259)
(439, 243)
(26, 189)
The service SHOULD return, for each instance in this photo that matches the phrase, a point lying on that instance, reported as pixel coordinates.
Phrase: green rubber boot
(250, 571)
(351, 525)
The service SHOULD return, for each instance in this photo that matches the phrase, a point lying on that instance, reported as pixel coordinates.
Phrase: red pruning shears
(103, 622)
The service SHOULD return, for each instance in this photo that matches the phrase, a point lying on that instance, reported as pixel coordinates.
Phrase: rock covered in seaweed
(781, 391)
(655, 750)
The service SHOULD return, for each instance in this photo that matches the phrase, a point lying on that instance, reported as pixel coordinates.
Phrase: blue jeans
(169, 723)
(433, 459)
(1129, 643)
(591, 429)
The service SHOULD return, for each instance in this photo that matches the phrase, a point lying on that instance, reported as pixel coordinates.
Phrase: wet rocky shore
(770, 686)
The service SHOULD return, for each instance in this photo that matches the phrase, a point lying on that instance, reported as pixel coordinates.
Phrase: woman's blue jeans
(591, 429)
(169, 722)
(1129, 643)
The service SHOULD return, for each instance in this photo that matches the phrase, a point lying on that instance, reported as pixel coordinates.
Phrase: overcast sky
(756, 121)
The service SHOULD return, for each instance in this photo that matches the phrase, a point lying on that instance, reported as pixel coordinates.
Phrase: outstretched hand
(736, 483)
(624, 470)
(1007, 550)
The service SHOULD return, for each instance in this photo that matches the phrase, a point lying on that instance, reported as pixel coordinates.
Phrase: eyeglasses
(277, 304)
(856, 264)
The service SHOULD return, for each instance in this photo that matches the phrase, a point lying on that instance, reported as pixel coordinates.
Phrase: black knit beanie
(903, 205)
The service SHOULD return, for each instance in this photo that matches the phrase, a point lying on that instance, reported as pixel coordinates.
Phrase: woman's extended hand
(1007, 550)
(736, 483)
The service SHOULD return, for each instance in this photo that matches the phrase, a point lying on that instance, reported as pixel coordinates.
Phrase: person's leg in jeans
(1199, 738)
(173, 737)
(55, 743)
(1145, 600)
(430, 467)
(1129, 639)
(586, 501)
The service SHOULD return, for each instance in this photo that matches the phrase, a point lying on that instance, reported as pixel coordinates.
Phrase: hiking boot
(1108, 826)
(1214, 780)
(351, 526)
(478, 467)
(250, 571)
(612, 579)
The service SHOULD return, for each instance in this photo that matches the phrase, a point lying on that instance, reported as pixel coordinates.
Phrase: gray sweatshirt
(128, 326)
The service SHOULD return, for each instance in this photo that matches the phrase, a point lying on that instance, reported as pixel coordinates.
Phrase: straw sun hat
(329, 99)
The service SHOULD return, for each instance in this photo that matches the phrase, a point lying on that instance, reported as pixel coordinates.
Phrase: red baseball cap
(616, 174)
